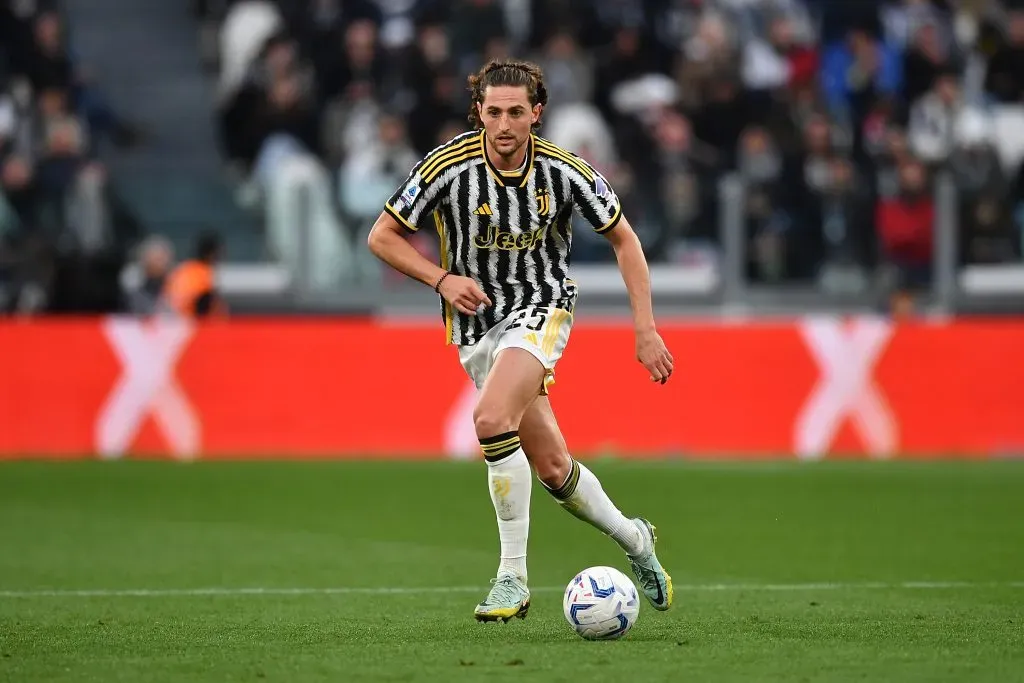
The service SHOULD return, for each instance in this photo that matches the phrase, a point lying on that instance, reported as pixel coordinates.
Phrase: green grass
(742, 542)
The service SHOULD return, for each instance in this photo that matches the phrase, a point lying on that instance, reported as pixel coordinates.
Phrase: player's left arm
(650, 347)
(599, 205)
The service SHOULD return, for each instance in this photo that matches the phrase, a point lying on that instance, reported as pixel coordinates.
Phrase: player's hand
(653, 355)
(464, 294)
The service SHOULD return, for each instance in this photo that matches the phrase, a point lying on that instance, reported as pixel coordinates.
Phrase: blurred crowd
(62, 233)
(849, 124)
(839, 116)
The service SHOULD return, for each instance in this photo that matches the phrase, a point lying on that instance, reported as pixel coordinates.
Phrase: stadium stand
(849, 129)
(63, 228)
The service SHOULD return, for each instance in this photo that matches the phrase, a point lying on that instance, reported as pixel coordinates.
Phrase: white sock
(510, 481)
(583, 496)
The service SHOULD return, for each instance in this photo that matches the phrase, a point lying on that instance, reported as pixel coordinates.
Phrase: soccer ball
(601, 603)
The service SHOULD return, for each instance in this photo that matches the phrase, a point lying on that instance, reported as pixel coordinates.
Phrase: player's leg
(573, 485)
(512, 383)
(579, 491)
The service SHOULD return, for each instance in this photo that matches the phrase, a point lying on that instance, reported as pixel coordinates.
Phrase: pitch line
(369, 590)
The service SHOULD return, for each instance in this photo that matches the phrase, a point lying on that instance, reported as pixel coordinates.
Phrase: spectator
(277, 97)
(902, 21)
(858, 70)
(321, 26)
(26, 258)
(20, 190)
(974, 163)
(710, 62)
(190, 290)
(760, 166)
(935, 118)
(686, 191)
(985, 223)
(722, 117)
(927, 58)
(1005, 75)
(358, 68)
(893, 152)
(988, 234)
(62, 144)
(369, 177)
(432, 78)
(568, 71)
(779, 60)
(49, 66)
(155, 258)
(845, 212)
(905, 225)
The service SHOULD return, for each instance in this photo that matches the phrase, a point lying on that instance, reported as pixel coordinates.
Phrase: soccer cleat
(653, 579)
(509, 597)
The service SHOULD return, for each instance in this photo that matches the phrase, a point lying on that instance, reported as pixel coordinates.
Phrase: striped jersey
(508, 231)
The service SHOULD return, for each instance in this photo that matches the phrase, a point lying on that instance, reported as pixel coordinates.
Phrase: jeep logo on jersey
(496, 238)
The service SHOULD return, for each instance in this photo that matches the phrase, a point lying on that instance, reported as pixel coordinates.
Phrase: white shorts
(541, 330)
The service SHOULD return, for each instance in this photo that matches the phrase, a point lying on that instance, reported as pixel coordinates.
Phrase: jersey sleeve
(595, 199)
(414, 200)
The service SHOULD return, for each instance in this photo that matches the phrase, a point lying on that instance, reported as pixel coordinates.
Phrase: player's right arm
(387, 241)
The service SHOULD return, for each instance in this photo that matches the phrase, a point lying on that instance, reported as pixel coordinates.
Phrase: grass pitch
(298, 572)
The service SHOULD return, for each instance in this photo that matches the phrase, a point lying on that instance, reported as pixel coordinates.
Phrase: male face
(508, 118)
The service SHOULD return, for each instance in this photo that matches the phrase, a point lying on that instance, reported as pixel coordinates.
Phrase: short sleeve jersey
(509, 231)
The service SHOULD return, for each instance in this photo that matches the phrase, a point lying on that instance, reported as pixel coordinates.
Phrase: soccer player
(501, 199)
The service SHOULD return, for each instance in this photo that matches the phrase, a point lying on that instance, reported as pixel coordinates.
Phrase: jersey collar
(513, 179)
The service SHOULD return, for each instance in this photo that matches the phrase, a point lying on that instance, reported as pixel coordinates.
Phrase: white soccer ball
(601, 603)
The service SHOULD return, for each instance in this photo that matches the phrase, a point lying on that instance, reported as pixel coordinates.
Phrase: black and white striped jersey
(509, 231)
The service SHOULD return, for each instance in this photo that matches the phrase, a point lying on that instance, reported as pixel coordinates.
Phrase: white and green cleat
(509, 597)
(653, 579)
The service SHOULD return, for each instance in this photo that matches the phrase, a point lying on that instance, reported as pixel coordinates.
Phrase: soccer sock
(583, 496)
(510, 479)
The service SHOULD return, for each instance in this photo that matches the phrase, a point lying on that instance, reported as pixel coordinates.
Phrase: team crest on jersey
(543, 202)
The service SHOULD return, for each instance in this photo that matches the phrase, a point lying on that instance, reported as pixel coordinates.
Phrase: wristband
(437, 287)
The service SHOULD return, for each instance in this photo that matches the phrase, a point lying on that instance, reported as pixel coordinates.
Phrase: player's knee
(552, 466)
(491, 421)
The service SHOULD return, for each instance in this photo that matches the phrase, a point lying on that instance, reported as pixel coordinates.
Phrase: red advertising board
(810, 388)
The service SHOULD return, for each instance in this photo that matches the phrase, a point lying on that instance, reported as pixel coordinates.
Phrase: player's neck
(513, 162)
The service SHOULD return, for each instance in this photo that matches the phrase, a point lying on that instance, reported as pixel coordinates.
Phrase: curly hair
(506, 72)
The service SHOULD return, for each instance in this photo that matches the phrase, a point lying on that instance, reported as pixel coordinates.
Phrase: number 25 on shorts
(537, 317)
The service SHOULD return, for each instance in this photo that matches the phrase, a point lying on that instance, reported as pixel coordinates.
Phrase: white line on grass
(404, 590)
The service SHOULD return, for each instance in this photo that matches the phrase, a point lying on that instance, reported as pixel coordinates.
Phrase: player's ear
(537, 109)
